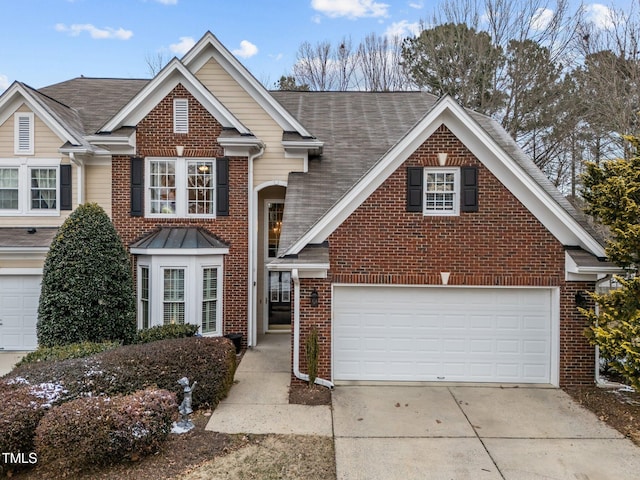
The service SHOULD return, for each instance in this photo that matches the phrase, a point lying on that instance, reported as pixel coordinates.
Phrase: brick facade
(155, 137)
(502, 244)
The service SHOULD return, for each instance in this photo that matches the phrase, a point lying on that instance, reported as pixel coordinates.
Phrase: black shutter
(415, 178)
(137, 187)
(66, 192)
(469, 196)
(222, 187)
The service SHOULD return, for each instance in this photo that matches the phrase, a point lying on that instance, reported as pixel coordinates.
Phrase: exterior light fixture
(314, 297)
(179, 150)
(442, 159)
(581, 300)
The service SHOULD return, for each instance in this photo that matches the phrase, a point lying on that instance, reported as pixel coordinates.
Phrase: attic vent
(180, 115)
(24, 133)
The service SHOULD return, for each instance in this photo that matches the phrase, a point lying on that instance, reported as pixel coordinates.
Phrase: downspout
(252, 329)
(80, 164)
(296, 334)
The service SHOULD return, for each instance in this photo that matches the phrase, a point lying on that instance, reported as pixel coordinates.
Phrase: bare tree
(379, 63)
(155, 62)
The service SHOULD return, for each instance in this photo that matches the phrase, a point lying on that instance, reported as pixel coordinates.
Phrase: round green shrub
(164, 332)
(87, 286)
(99, 431)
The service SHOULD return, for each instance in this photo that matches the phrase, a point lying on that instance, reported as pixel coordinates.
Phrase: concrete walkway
(259, 400)
(8, 360)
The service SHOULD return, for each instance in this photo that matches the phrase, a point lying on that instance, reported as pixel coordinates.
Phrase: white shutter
(24, 133)
(180, 115)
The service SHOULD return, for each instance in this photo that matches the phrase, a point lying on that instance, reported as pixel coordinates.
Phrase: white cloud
(168, 2)
(601, 15)
(246, 50)
(96, 33)
(403, 29)
(416, 5)
(350, 8)
(183, 46)
(4, 83)
(541, 19)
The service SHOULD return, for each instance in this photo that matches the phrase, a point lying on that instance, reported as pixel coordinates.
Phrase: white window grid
(441, 191)
(179, 187)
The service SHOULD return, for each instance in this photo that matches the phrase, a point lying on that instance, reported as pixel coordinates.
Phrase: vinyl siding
(97, 186)
(272, 165)
(46, 146)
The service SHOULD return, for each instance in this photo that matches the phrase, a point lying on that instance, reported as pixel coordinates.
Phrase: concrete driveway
(474, 433)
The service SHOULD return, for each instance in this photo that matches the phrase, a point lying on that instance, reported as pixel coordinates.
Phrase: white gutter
(296, 334)
(80, 164)
(252, 216)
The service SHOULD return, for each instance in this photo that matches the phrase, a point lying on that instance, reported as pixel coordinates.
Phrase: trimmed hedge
(99, 431)
(73, 350)
(20, 412)
(164, 332)
(209, 361)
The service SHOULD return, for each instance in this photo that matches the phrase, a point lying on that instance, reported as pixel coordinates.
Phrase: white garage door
(442, 334)
(19, 296)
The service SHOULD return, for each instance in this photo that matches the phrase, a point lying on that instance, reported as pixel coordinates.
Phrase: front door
(279, 300)
(278, 285)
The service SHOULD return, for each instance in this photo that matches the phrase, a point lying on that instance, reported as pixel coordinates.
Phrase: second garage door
(19, 296)
(457, 334)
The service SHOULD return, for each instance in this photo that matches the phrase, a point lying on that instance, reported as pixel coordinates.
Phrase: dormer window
(23, 133)
(180, 115)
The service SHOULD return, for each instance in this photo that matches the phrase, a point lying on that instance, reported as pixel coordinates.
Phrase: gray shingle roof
(93, 100)
(27, 237)
(357, 129)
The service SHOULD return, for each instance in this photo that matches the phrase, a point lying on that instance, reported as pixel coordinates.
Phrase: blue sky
(48, 41)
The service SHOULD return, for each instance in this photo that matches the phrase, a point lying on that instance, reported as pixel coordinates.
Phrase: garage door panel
(451, 334)
(19, 296)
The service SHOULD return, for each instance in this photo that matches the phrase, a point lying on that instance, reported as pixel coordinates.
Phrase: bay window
(180, 289)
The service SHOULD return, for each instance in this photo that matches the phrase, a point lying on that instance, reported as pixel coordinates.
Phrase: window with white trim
(177, 289)
(180, 187)
(173, 296)
(441, 191)
(29, 187)
(23, 133)
(209, 300)
(180, 115)
(144, 296)
(44, 188)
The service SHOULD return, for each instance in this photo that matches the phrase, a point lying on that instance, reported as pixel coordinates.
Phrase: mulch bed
(618, 407)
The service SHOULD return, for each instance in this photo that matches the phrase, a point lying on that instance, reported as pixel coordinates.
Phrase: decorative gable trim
(448, 112)
(173, 74)
(210, 47)
(18, 95)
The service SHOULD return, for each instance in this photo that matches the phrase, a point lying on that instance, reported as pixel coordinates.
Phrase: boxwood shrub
(164, 332)
(98, 431)
(63, 352)
(209, 361)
